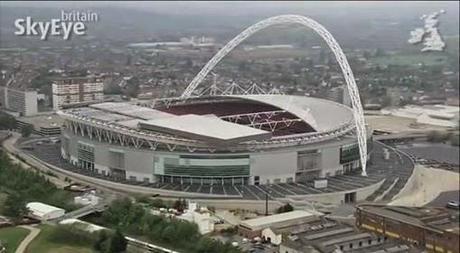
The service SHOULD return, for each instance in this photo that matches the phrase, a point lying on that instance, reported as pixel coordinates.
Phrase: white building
(22, 101)
(438, 115)
(44, 212)
(272, 236)
(75, 90)
(255, 227)
(201, 217)
(87, 199)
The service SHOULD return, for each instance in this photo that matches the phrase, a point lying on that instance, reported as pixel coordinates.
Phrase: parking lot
(437, 155)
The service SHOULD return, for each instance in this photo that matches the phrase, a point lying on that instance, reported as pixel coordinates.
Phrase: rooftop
(43, 121)
(131, 110)
(267, 221)
(323, 115)
(39, 208)
(327, 236)
(437, 218)
(204, 127)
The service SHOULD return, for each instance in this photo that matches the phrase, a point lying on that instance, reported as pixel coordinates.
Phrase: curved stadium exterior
(213, 140)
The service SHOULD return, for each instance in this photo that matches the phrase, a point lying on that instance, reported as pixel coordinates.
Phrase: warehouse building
(44, 212)
(254, 227)
(431, 229)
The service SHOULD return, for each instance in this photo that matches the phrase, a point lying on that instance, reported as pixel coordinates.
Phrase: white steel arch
(333, 45)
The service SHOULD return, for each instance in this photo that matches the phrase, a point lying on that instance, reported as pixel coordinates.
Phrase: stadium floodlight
(333, 45)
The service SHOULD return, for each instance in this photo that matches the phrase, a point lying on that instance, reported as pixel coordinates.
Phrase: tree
(100, 241)
(284, 209)
(169, 234)
(26, 130)
(436, 136)
(7, 122)
(118, 243)
(180, 205)
(15, 206)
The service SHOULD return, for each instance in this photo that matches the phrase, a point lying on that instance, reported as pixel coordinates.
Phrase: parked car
(453, 204)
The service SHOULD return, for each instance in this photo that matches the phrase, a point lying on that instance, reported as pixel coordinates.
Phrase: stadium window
(351, 245)
(369, 241)
(360, 244)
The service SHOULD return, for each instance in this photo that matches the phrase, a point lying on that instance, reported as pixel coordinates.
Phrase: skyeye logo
(70, 23)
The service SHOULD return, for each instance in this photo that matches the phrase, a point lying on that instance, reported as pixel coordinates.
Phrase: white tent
(43, 211)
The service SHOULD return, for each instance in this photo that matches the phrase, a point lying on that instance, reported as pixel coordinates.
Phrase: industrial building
(70, 91)
(430, 229)
(306, 232)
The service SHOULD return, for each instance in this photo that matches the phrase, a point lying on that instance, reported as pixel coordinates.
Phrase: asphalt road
(444, 197)
(433, 151)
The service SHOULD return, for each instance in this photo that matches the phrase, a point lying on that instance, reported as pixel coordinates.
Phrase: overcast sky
(242, 7)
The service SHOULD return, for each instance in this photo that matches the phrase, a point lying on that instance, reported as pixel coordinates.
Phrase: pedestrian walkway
(29, 238)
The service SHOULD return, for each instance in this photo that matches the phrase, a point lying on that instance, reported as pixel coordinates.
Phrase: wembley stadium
(214, 140)
(232, 142)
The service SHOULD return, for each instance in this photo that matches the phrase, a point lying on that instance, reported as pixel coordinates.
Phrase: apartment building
(77, 90)
(23, 102)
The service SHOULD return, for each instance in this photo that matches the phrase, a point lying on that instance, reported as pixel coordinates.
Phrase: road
(444, 197)
(29, 238)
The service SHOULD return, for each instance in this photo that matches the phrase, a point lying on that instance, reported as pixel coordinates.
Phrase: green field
(11, 237)
(426, 58)
(43, 244)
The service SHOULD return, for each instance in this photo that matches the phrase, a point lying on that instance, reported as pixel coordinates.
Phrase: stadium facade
(214, 140)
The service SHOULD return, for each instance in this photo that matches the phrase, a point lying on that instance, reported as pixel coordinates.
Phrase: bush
(436, 136)
(284, 209)
(27, 130)
(7, 122)
(28, 186)
(133, 219)
(73, 234)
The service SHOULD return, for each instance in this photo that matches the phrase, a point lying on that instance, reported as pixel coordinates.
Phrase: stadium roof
(131, 110)
(321, 114)
(205, 127)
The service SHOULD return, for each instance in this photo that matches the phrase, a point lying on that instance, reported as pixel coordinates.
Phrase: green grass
(427, 58)
(11, 237)
(43, 244)
(3, 197)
